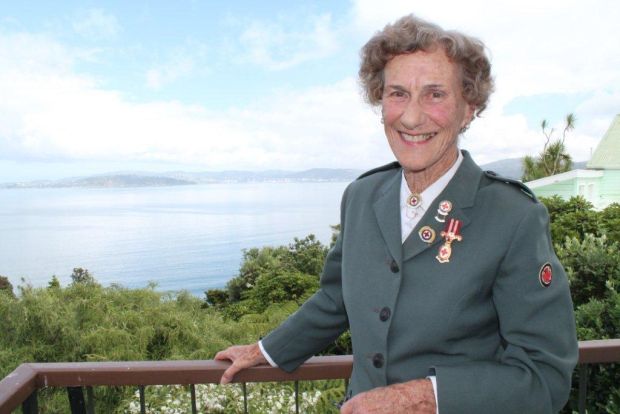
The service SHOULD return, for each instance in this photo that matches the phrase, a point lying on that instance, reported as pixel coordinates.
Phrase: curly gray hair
(410, 34)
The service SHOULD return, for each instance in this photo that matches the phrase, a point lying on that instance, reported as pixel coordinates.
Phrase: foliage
(5, 286)
(261, 398)
(587, 243)
(54, 283)
(281, 287)
(307, 255)
(610, 222)
(593, 268)
(335, 234)
(255, 263)
(82, 276)
(572, 218)
(215, 297)
(271, 275)
(553, 159)
(88, 322)
(576, 218)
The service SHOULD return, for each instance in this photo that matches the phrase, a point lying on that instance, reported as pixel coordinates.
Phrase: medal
(414, 200)
(445, 207)
(449, 234)
(414, 204)
(427, 234)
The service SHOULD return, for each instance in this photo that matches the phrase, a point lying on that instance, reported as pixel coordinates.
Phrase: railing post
(245, 398)
(31, 404)
(192, 389)
(142, 400)
(583, 387)
(296, 397)
(76, 400)
(90, 400)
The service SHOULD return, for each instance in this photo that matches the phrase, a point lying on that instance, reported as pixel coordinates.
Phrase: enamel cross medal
(449, 234)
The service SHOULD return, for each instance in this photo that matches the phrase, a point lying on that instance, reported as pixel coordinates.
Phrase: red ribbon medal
(449, 234)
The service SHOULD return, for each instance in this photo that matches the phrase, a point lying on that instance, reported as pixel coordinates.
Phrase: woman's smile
(417, 138)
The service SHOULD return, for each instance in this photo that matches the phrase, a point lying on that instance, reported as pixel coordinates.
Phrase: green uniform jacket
(497, 338)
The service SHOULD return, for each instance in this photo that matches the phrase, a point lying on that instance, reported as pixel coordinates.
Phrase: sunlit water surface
(183, 237)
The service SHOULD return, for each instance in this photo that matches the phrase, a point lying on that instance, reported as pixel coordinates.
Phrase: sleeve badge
(545, 275)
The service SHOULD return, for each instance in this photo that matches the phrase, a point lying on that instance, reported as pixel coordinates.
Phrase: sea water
(182, 237)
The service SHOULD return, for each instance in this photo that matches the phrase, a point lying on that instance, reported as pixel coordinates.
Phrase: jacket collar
(460, 191)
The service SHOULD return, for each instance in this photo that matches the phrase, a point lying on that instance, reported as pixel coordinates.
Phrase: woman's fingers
(243, 356)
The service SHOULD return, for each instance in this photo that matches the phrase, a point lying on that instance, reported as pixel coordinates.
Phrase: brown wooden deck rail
(20, 387)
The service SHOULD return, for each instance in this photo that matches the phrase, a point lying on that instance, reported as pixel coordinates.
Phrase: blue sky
(96, 86)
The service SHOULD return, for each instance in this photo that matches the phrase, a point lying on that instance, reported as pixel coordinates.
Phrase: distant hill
(114, 180)
(510, 168)
(315, 174)
(147, 179)
(513, 167)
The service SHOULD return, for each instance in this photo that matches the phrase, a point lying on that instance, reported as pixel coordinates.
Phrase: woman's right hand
(242, 356)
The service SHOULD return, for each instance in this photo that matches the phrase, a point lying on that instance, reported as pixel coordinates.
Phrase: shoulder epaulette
(524, 188)
(385, 167)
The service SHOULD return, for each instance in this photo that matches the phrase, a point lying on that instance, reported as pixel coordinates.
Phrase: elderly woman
(445, 274)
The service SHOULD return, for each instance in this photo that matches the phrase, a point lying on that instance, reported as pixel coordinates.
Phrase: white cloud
(271, 46)
(49, 111)
(30, 53)
(96, 24)
(551, 47)
(56, 114)
(181, 63)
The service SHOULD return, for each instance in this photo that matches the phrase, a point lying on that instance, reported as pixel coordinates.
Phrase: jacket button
(394, 267)
(377, 360)
(385, 313)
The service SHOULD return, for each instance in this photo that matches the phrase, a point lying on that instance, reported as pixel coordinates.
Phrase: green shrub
(593, 268)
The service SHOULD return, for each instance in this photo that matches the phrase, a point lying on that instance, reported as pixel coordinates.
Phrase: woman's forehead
(421, 66)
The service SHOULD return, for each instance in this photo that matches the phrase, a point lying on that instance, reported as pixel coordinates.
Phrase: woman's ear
(470, 113)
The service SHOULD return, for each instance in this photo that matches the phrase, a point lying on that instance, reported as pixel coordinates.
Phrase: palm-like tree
(553, 159)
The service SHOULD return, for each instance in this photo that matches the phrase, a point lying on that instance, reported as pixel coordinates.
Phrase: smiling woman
(436, 270)
(423, 111)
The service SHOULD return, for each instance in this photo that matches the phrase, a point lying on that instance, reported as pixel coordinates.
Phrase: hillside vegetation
(85, 321)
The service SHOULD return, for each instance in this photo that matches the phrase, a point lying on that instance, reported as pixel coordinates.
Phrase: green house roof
(607, 153)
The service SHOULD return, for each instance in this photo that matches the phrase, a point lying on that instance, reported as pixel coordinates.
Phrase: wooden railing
(20, 387)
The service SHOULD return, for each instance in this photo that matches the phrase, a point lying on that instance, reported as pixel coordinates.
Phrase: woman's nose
(413, 115)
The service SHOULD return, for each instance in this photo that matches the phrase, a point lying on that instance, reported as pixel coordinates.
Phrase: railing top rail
(18, 385)
(599, 351)
(181, 372)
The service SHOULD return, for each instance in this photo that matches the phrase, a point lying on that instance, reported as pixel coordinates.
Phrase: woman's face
(423, 111)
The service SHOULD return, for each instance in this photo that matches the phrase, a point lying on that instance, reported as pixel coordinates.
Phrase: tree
(593, 268)
(82, 276)
(255, 263)
(215, 297)
(573, 218)
(335, 234)
(54, 283)
(610, 222)
(283, 287)
(553, 159)
(6, 286)
(307, 255)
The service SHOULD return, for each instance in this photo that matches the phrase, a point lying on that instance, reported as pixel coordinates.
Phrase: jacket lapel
(461, 192)
(387, 212)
